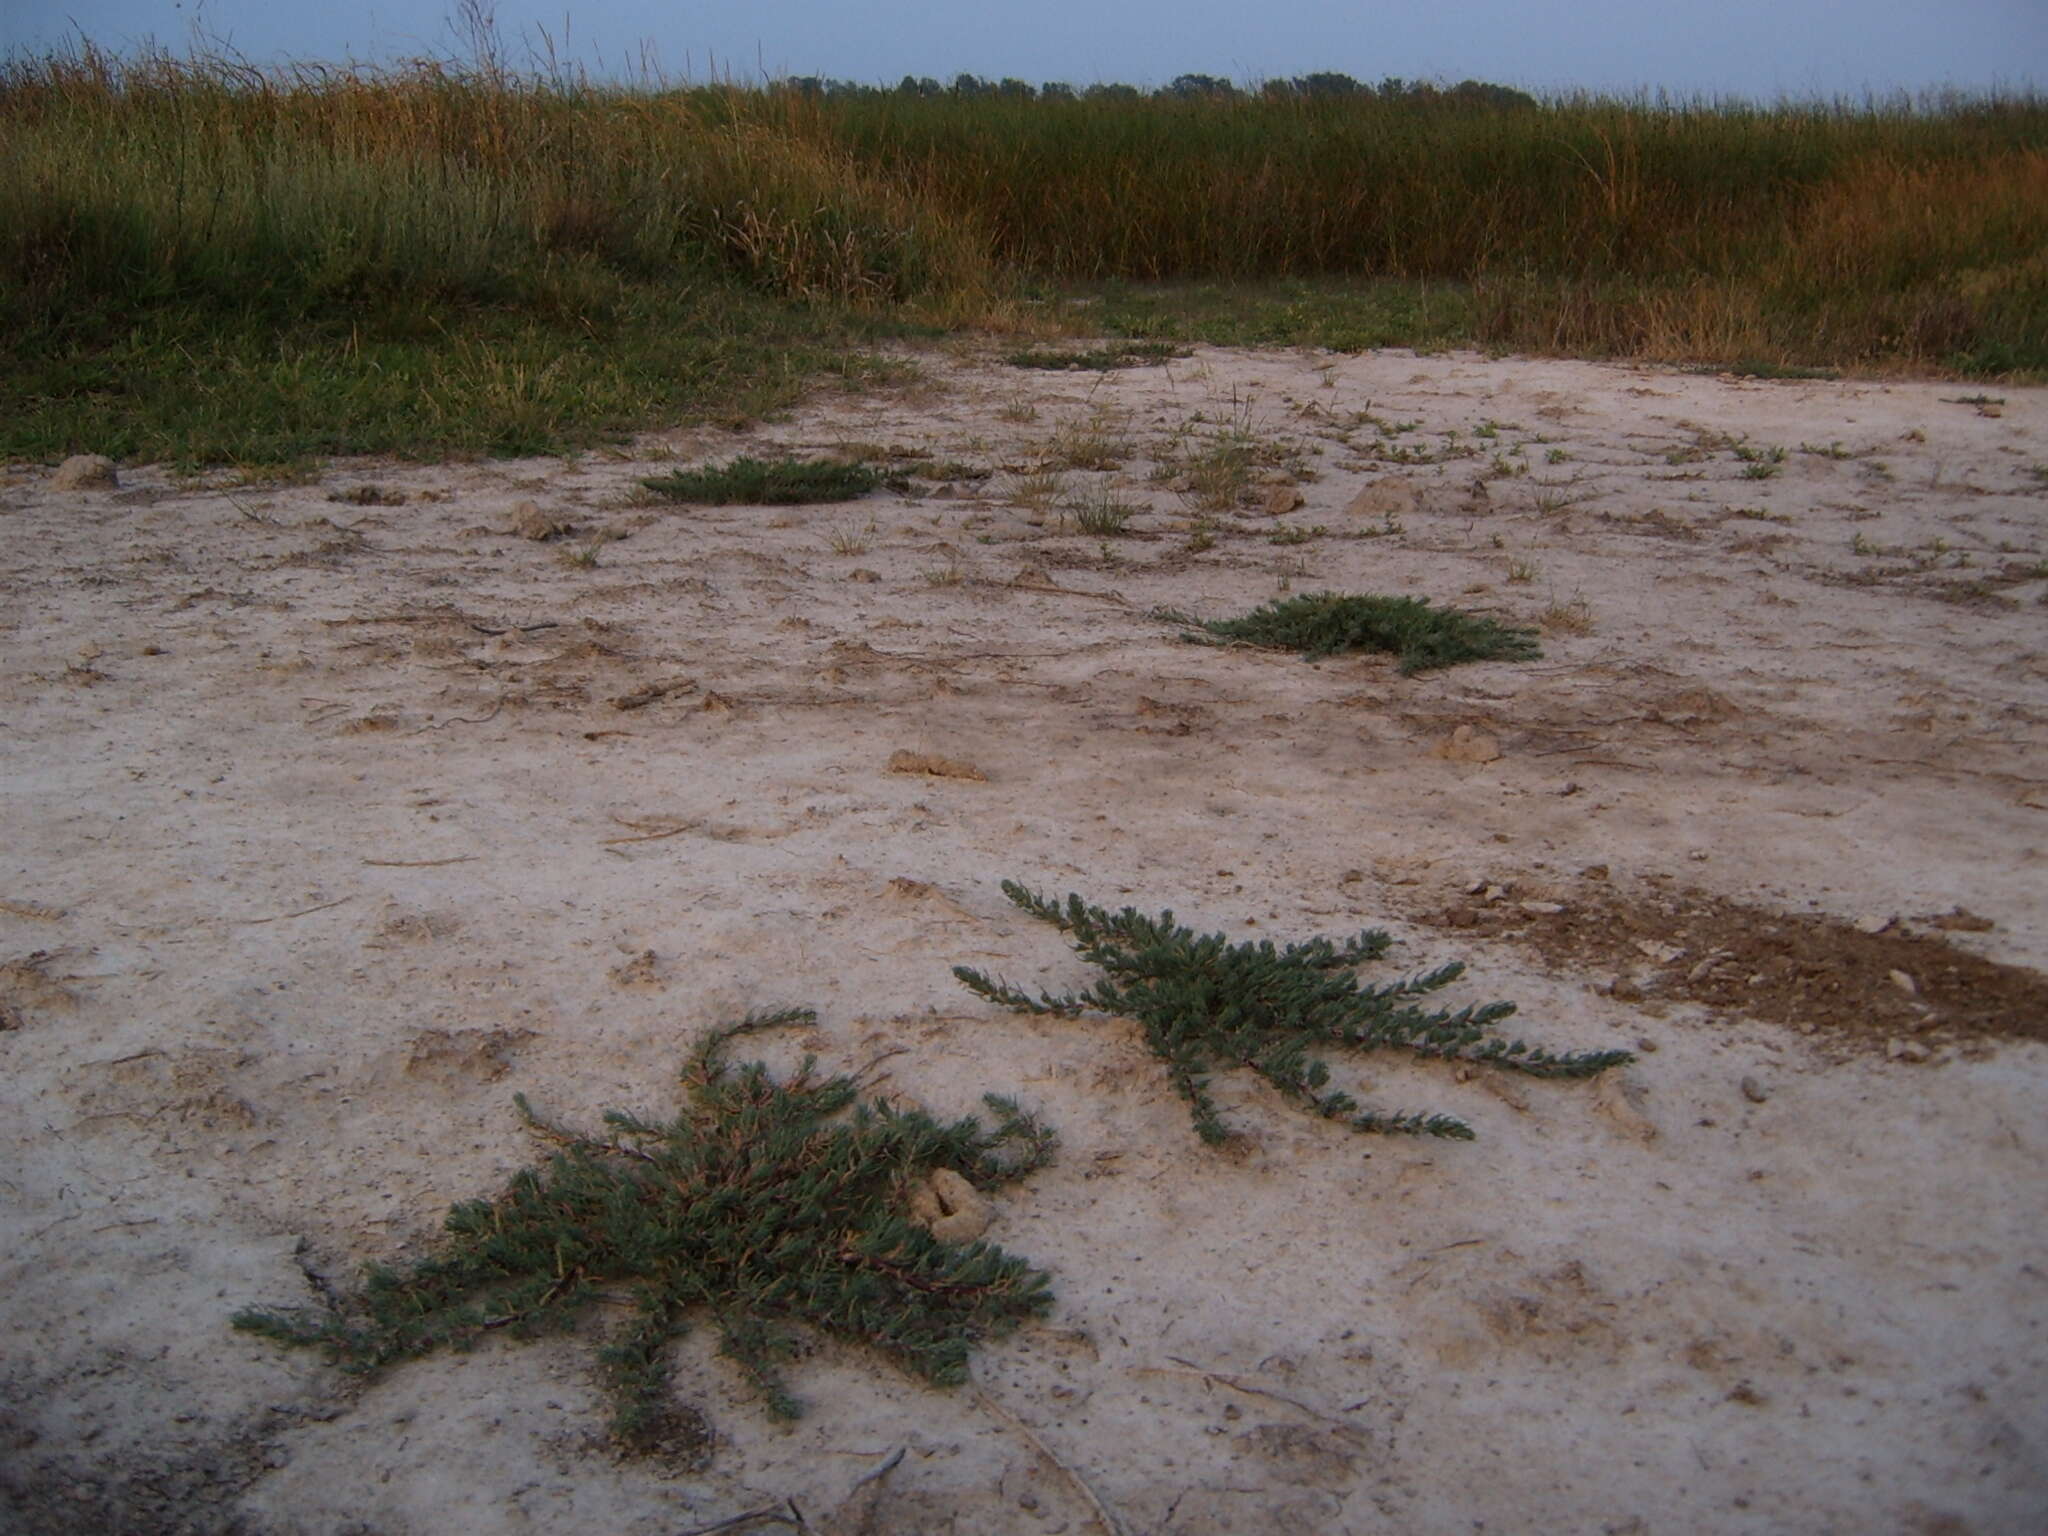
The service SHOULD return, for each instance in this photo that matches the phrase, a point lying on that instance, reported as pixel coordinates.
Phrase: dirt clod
(1801, 969)
(85, 472)
(904, 760)
(531, 521)
(1469, 744)
(950, 1208)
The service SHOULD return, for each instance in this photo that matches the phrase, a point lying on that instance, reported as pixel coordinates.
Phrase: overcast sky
(1757, 48)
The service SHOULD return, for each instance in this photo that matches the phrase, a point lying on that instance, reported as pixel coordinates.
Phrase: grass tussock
(202, 260)
(1319, 624)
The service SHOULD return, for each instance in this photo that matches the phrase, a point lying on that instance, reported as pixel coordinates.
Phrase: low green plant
(767, 482)
(1205, 1003)
(1319, 624)
(764, 1204)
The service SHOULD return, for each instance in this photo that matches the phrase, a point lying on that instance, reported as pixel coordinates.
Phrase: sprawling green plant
(1204, 1002)
(767, 482)
(1319, 624)
(762, 1204)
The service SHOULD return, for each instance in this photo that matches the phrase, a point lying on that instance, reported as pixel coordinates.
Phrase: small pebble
(1905, 983)
(1753, 1090)
(1646, 1045)
(1906, 1050)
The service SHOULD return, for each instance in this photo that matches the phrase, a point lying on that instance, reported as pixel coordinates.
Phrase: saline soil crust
(337, 813)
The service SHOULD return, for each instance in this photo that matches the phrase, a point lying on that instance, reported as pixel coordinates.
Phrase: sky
(1761, 49)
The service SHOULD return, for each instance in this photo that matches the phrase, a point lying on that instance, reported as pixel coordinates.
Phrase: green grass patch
(768, 1205)
(1205, 1003)
(768, 482)
(1320, 624)
(189, 384)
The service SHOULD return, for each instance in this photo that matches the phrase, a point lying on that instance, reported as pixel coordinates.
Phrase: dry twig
(1110, 1524)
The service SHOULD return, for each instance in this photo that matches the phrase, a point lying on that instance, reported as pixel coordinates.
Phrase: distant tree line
(1322, 85)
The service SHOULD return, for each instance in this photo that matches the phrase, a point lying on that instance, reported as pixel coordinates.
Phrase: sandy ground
(327, 828)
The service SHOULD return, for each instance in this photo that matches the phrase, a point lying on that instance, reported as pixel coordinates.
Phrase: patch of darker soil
(1815, 973)
(189, 1489)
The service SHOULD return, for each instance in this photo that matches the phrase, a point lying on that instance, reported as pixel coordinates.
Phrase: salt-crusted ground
(325, 827)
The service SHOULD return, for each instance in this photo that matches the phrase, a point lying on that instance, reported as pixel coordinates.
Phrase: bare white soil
(324, 830)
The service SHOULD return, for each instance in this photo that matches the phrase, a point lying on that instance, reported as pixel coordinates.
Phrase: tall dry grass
(204, 206)
(1847, 234)
(133, 182)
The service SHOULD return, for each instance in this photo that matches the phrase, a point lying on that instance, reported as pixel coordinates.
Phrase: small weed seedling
(1205, 1003)
(768, 483)
(1102, 514)
(764, 1203)
(1572, 618)
(1319, 624)
(1037, 492)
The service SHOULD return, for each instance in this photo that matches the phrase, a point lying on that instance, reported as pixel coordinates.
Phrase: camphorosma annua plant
(765, 1204)
(1205, 1004)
